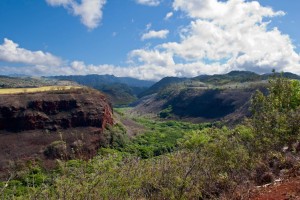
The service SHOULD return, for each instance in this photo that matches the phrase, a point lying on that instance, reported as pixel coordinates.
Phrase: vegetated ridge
(204, 98)
(121, 90)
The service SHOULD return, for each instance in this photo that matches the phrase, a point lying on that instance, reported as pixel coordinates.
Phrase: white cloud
(148, 26)
(168, 15)
(162, 34)
(221, 36)
(11, 52)
(59, 2)
(149, 2)
(145, 71)
(228, 12)
(234, 31)
(153, 57)
(90, 11)
(231, 35)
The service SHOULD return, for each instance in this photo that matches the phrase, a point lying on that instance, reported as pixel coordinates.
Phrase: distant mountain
(285, 74)
(95, 80)
(240, 77)
(231, 77)
(118, 93)
(121, 90)
(167, 81)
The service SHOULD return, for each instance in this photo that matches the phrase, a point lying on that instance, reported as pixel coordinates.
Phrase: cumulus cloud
(229, 35)
(89, 11)
(149, 2)
(144, 71)
(168, 15)
(153, 57)
(162, 34)
(221, 36)
(11, 52)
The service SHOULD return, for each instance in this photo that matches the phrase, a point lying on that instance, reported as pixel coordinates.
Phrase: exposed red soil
(288, 189)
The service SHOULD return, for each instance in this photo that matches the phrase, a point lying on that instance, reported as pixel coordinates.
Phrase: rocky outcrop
(49, 126)
(54, 111)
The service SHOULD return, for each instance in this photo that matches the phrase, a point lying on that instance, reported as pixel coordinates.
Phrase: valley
(208, 137)
(149, 100)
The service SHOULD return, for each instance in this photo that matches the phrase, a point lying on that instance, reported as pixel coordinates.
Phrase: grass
(38, 89)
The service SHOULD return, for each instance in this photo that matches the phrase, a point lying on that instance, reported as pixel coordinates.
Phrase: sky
(148, 39)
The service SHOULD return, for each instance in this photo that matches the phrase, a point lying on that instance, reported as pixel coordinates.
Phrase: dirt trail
(286, 190)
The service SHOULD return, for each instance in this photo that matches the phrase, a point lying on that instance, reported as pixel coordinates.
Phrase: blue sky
(136, 38)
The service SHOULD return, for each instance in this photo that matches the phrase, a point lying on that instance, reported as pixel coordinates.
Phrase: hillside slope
(50, 125)
(121, 90)
(204, 98)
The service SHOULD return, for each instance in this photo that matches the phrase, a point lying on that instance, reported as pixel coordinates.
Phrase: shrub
(166, 113)
(276, 115)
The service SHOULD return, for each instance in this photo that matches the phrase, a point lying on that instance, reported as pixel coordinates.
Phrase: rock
(54, 111)
(49, 126)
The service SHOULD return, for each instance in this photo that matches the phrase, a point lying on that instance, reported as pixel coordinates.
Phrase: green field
(38, 89)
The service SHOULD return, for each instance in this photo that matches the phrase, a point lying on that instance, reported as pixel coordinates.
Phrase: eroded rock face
(54, 111)
(50, 126)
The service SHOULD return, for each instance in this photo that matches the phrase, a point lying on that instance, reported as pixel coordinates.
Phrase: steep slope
(50, 125)
(128, 88)
(204, 98)
(118, 93)
(231, 77)
(198, 105)
(163, 83)
(54, 110)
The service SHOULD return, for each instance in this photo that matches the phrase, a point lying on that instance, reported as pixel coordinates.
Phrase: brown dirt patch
(286, 190)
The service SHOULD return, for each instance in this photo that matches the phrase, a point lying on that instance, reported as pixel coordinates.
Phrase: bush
(166, 113)
(57, 149)
(276, 115)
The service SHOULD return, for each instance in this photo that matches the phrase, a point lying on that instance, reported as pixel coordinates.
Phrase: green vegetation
(114, 137)
(166, 113)
(276, 116)
(176, 160)
(160, 137)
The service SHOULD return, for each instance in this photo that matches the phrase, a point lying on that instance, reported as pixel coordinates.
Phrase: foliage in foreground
(209, 163)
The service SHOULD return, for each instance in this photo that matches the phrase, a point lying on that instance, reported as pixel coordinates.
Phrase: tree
(276, 115)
